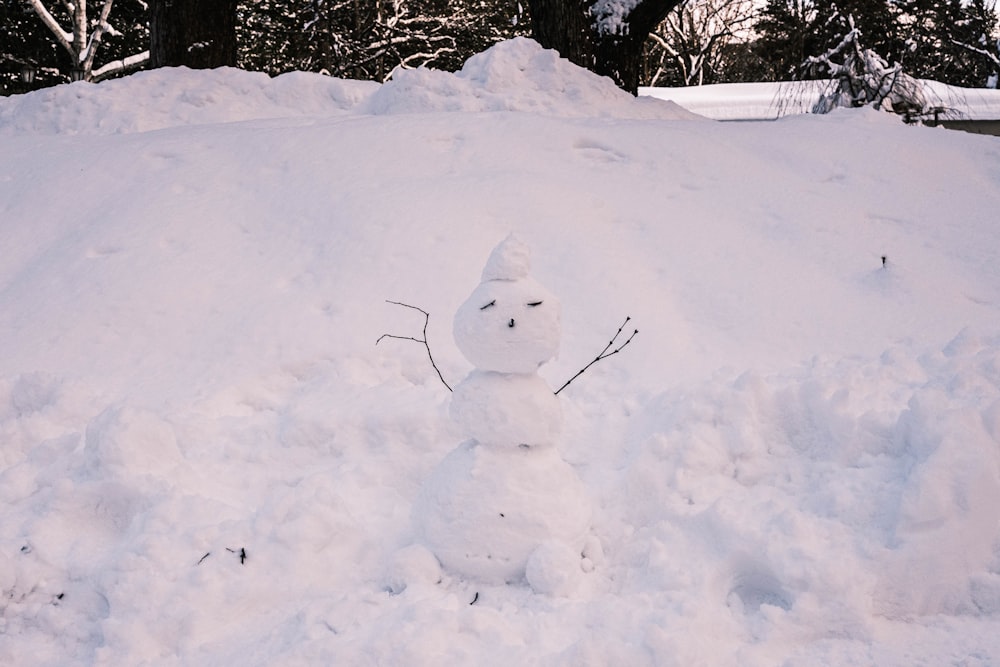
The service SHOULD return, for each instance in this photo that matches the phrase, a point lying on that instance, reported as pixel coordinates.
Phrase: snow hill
(205, 459)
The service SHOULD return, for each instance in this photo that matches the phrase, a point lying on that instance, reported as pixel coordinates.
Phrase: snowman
(504, 506)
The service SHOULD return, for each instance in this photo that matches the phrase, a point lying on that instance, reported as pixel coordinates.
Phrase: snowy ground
(205, 458)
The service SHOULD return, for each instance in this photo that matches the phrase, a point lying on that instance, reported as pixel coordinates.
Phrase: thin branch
(604, 353)
(427, 319)
(95, 37)
(64, 38)
(994, 57)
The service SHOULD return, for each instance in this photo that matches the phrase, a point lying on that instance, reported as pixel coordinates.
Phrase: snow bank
(516, 75)
(875, 478)
(156, 99)
(206, 459)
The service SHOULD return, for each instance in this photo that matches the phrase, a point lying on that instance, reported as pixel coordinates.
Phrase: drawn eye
(534, 303)
(491, 303)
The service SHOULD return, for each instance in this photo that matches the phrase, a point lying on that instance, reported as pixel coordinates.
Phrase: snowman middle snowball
(505, 493)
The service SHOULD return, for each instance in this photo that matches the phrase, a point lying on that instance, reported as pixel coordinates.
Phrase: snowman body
(505, 493)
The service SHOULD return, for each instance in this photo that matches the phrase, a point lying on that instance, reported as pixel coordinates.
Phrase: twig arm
(427, 319)
(604, 354)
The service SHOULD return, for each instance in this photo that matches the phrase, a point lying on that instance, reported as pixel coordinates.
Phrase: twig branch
(604, 353)
(242, 553)
(427, 319)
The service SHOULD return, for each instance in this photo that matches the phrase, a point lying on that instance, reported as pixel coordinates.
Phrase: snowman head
(510, 323)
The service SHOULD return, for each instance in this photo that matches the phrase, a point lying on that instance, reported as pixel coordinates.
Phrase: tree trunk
(569, 27)
(200, 34)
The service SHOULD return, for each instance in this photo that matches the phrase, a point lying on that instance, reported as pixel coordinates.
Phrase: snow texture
(510, 260)
(611, 16)
(516, 75)
(508, 326)
(485, 510)
(506, 409)
(204, 458)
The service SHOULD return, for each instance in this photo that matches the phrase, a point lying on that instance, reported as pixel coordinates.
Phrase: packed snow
(206, 459)
(504, 506)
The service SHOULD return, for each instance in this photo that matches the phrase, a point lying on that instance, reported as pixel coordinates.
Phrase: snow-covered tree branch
(992, 56)
(123, 65)
(82, 40)
(861, 77)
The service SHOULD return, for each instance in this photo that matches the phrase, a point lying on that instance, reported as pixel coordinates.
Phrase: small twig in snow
(604, 353)
(427, 319)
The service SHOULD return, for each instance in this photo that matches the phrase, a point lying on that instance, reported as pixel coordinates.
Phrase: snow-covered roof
(767, 101)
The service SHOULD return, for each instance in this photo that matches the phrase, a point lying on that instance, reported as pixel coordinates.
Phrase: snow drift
(205, 458)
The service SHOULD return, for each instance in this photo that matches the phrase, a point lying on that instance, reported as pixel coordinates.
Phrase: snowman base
(485, 511)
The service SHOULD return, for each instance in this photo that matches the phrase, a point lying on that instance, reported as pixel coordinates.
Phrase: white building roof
(767, 101)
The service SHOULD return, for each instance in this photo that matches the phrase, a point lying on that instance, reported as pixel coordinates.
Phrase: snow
(611, 16)
(508, 326)
(498, 80)
(506, 409)
(510, 260)
(485, 510)
(206, 460)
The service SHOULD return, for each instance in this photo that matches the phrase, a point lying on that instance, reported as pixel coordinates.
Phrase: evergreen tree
(952, 41)
(947, 40)
(978, 36)
(792, 31)
(788, 37)
(874, 19)
(861, 77)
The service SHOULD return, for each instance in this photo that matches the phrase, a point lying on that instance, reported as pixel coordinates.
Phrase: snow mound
(162, 98)
(887, 474)
(206, 459)
(517, 75)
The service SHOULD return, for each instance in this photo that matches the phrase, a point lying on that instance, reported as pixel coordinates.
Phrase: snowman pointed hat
(510, 260)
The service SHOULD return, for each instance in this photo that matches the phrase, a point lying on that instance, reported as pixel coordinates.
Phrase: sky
(205, 457)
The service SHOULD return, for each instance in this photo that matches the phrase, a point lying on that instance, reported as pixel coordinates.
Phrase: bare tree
(369, 39)
(82, 39)
(690, 46)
